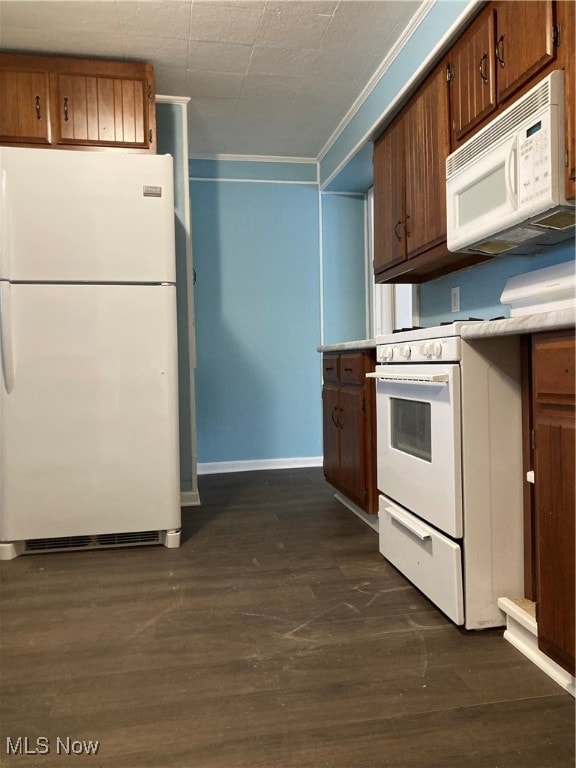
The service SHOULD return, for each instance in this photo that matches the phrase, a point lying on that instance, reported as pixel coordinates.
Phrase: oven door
(418, 441)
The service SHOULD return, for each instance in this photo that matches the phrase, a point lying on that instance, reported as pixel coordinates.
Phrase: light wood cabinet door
(389, 197)
(56, 101)
(101, 110)
(427, 145)
(472, 75)
(524, 42)
(553, 388)
(24, 107)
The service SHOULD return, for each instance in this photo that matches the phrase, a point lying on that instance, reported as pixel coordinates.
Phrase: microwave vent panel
(540, 97)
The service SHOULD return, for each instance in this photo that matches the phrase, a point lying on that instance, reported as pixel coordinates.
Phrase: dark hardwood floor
(275, 637)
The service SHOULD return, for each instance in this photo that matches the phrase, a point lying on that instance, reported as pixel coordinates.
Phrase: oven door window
(411, 427)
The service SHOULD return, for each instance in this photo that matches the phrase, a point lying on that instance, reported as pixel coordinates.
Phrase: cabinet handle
(348, 370)
(408, 233)
(341, 422)
(499, 54)
(38, 115)
(482, 68)
(335, 416)
(396, 230)
(329, 368)
(66, 108)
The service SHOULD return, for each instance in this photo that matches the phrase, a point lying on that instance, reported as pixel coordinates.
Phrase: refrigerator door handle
(6, 352)
(4, 228)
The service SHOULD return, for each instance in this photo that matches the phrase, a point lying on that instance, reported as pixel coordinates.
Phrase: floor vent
(62, 543)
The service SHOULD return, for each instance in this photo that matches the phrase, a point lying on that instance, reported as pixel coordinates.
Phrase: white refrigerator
(89, 452)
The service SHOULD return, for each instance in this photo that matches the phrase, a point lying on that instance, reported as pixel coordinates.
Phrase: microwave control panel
(535, 168)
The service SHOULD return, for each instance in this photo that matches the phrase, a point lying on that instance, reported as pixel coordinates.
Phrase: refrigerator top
(90, 217)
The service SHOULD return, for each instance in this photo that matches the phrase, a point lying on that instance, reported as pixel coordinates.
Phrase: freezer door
(89, 429)
(86, 216)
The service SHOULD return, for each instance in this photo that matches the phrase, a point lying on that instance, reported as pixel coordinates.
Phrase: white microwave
(505, 189)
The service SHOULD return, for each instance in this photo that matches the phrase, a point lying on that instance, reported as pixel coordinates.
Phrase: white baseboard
(522, 633)
(189, 499)
(218, 467)
(371, 520)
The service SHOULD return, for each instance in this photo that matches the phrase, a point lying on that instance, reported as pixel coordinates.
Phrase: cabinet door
(331, 433)
(427, 136)
(524, 43)
(472, 71)
(351, 416)
(101, 110)
(24, 107)
(553, 382)
(389, 204)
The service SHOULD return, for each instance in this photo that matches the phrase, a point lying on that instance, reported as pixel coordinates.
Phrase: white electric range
(449, 457)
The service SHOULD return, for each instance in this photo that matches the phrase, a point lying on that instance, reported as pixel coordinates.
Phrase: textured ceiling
(265, 77)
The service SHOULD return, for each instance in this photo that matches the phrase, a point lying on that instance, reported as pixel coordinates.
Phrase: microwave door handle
(511, 172)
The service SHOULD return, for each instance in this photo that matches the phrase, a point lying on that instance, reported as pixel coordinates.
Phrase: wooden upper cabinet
(389, 197)
(24, 107)
(472, 75)
(101, 110)
(524, 42)
(427, 137)
(82, 103)
(410, 189)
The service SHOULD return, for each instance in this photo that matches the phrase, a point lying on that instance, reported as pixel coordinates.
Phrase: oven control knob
(388, 353)
(436, 349)
(405, 351)
(425, 349)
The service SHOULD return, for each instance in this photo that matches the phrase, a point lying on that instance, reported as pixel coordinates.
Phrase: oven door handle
(415, 378)
(406, 522)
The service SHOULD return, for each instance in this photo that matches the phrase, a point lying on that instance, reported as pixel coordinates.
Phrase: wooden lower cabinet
(553, 441)
(349, 427)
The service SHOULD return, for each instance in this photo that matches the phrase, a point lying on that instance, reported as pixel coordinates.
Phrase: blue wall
(344, 268)
(257, 302)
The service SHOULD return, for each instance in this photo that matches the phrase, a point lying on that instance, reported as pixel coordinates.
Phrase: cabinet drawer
(330, 367)
(352, 368)
(430, 560)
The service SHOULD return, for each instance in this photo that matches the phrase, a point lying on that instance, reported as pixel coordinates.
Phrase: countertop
(513, 326)
(347, 346)
(510, 326)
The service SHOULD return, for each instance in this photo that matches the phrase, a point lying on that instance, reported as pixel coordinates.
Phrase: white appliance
(542, 290)
(505, 189)
(88, 380)
(449, 467)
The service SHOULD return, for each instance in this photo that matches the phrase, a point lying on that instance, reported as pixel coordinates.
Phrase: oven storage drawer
(430, 560)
